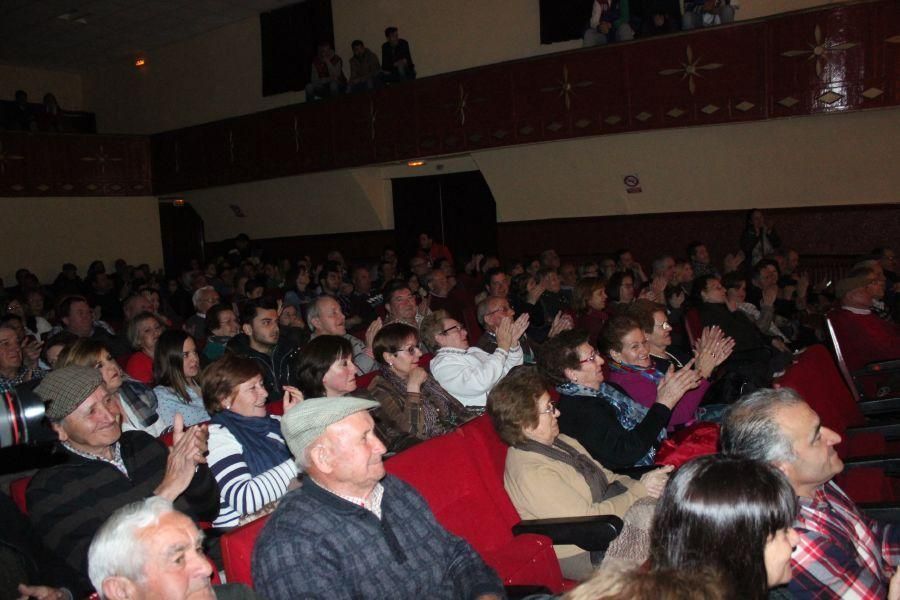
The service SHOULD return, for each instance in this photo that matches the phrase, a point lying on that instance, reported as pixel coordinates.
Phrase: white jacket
(470, 374)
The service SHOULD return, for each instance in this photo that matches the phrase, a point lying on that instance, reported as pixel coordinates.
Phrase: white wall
(37, 82)
(43, 233)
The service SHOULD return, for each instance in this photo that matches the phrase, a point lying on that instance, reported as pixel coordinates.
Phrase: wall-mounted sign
(632, 184)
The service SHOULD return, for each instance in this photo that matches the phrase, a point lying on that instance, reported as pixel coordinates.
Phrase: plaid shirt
(24, 374)
(842, 554)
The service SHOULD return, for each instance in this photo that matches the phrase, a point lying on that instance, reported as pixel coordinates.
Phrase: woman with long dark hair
(176, 369)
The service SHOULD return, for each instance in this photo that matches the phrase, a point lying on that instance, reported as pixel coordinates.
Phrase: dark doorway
(182, 233)
(457, 209)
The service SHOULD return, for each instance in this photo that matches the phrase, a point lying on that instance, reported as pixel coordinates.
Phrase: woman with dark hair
(731, 515)
(589, 302)
(548, 475)
(143, 333)
(414, 407)
(620, 289)
(176, 369)
(634, 368)
(222, 324)
(138, 402)
(247, 453)
(617, 431)
(325, 367)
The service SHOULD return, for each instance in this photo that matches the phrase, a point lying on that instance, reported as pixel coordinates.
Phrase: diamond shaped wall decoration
(642, 116)
(744, 106)
(527, 130)
(554, 126)
(675, 113)
(830, 97)
(582, 123)
(709, 109)
(612, 119)
(872, 93)
(43, 187)
(788, 101)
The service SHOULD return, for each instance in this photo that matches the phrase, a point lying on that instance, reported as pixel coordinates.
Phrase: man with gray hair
(350, 531)
(147, 549)
(325, 317)
(842, 553)
(204, 298)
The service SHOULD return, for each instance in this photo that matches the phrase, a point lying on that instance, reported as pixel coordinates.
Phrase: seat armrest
(886, 512)
(879, 406)
(876, 368)
(588, 533)
(891, 465)
(635, 472)
(890, 429)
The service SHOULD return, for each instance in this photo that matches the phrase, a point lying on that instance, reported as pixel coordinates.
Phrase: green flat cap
(303, 423)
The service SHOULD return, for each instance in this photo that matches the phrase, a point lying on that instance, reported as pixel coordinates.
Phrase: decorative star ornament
(819, 50)
(691, 69)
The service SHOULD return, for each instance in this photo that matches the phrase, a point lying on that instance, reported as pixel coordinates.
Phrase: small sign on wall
(632, 184)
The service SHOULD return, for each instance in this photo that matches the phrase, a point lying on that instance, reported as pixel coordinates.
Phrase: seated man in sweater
(325, 317)
(470, 373)
(350, 531)
(103, 469)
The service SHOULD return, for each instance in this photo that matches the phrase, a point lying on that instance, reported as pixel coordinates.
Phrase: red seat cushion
(237, 551)
(17, 489)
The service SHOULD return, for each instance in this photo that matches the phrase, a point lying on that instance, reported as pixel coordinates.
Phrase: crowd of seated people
(394, 365)
(21, 115)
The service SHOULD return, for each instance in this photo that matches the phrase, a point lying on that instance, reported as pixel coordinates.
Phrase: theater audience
(400, 304)
(203, 299)
(470, 373)
(620, 290)
(609, 23)
(143, 333)
(137, 403)
(149, 549)
(103, 469)
(34, 324)
(763, 315)
(176, 370)
(617, 431)
(548, 475)
(14, 369)
(247, 454)
(841, 553)
(396, 60)
(863, 336)
(311, 545)
(414, 407)
(589, 302)
(77, 317)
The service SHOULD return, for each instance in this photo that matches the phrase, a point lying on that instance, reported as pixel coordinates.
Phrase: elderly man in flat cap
(103, 469)
(350, 531)
(864, 337)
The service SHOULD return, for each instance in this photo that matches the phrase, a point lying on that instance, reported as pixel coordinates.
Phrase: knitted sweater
(317, 545)
(68, 503)
(470, 374)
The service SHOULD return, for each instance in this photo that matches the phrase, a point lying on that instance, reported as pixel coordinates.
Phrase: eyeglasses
(589, 359)
(496, 310)
(449, 329)
(409, 350)
(664, 325)
(547, 411)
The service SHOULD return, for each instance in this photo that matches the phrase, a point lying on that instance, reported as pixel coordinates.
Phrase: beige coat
(544, 488)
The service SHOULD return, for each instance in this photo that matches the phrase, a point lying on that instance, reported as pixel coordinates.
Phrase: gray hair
(312, 312)
(659, 264)
(116, 550)
(749, 429)
(199, 294)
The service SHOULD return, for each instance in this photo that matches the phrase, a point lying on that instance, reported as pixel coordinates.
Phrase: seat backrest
(237, 551)
(693, 325)
(841, 361)
(17, 489)
(363, 381)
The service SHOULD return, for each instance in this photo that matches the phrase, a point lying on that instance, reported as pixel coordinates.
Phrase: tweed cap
(303, 423)
(65, 389)
(848, 284)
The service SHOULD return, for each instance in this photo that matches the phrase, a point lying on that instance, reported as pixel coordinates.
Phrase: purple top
(643, 391)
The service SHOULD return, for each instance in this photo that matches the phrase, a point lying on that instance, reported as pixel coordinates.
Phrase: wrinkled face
(149, 331)
(626, 290)
(635, 349)
(207, 300)
(176, 567)
(340, 378)
(331, 319)
(355, 454)
(662, 331)
(403, 305)
(452, 335)
(737, 295)
(228, 324)
(816, 460)
(110, 370)
(263, 329)
(590, 367)
(80, 320)
(714, 292)
(406, 358)
(598, 299)
(498, 309)
(249, 398)
(190, 358)
(547, 429)
(94, 425)
(10, 351)
(777, 556)
(499, 285)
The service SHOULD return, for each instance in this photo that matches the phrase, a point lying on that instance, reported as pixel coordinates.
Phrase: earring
(390, 364)
(575, 379)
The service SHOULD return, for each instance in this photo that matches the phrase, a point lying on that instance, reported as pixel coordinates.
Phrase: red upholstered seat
(237, 551)
(17, 489)
(461, 477)
(693, 325)
(696, 440)
(363, 381)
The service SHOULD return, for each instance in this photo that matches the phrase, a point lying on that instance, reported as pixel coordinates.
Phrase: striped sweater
(68, 502)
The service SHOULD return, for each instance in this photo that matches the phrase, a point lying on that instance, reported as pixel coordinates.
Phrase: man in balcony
(326, 77)
(396, 60)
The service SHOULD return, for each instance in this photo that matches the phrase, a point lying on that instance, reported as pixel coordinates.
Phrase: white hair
(198, 295)
(115, 550)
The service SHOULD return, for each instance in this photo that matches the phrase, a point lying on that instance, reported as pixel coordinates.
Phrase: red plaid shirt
(841, 554)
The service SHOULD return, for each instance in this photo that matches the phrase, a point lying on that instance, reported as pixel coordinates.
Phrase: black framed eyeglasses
(449, 329)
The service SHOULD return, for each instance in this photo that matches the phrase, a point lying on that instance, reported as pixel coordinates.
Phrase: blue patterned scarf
(628, 412)
(260, 451)
(651, 373)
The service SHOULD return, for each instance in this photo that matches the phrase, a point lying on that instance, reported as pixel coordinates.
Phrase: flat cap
(65, 389)
(848, 284)
(306, 421)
